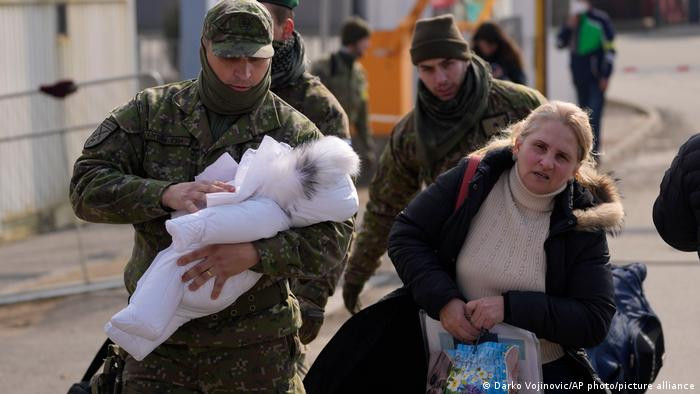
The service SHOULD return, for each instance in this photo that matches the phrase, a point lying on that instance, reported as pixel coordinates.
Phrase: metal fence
(44, 249)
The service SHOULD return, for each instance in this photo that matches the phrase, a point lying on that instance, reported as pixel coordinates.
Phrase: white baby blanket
(276, 188)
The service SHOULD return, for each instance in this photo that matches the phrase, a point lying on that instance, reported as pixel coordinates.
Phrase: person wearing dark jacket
(677, 208)
(528, 246)
(589, 35)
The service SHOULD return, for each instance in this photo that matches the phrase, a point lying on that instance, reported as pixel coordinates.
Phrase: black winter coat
(578, 305)
(677, 208)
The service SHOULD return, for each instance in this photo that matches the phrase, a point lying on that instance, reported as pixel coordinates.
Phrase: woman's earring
(515, 158)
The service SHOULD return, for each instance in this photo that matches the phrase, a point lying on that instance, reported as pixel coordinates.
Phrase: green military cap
(239, 28)
(291, 4)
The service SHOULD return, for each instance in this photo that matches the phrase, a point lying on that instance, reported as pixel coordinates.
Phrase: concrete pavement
(673, 276)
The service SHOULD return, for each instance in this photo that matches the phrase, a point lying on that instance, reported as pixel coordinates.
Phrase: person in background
(526, 247)
(589, 35)
(293, 83)
(492, 44)
(343, 74)
(677, 208)
(459, 108)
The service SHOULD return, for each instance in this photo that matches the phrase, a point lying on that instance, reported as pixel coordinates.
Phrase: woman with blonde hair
(528, 245)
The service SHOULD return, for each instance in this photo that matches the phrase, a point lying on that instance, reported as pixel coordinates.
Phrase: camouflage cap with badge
(239, 28)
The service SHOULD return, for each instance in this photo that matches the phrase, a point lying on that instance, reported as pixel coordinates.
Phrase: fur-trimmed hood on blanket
(298, 173)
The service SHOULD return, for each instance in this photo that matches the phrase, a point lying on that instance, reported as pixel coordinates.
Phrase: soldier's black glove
(311, 321)
(351, 294)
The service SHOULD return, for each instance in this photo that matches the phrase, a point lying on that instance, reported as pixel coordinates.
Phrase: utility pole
(541, 45)
(192, 14)
(347, 9)
(323, 24)
(694, 11)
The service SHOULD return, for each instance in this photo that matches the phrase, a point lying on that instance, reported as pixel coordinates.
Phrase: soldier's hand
(351, 295)
(190, 196)
(220, 261)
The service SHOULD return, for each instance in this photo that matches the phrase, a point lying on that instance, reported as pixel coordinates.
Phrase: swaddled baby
(276, 188)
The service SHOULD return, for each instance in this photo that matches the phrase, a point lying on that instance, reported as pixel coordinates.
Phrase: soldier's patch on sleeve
(494, 124)
(101, 133)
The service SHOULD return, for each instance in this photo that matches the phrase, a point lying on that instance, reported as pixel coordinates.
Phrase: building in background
(42, 42)
(318, 21)
(632, 14)
(90, 40)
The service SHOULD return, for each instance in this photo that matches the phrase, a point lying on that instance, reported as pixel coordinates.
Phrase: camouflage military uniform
(400, 175)
(308, 95)
(160, 138)
(349, 85)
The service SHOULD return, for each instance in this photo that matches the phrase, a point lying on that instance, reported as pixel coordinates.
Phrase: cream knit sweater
(504, 249)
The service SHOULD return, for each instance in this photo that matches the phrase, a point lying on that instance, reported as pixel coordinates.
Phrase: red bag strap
(472, 164)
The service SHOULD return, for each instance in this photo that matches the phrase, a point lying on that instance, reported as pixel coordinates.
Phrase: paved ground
(672, 283)
(46, 345)
(53, 258)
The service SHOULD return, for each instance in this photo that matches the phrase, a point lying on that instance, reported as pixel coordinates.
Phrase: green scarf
(441, 125)
(289, 61)
(223, 100)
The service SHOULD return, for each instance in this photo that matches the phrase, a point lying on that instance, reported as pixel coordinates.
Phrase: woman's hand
(453, 317)
(220, 261)
(486, 312)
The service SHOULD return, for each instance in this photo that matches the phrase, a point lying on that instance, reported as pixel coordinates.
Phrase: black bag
(634, 348)
(111, 358)
(379, 350)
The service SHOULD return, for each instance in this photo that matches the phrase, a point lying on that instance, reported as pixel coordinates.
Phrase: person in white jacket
(276, 188)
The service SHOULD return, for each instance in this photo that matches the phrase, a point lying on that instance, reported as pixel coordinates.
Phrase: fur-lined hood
(606, 212)
(299, 173)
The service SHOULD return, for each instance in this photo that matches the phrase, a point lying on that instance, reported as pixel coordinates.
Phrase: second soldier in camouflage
(292, 82)
(346, 78)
